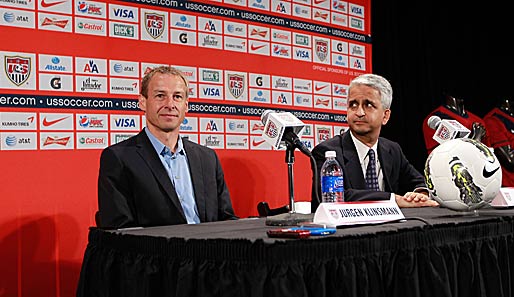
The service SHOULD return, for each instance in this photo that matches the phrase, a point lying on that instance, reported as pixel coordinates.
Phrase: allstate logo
(9, 17)
(118, 68)
(185, 121)
(183, 18)
(10, 140)
(56, 60)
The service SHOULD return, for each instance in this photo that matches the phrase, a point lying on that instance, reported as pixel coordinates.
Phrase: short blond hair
(163, 70)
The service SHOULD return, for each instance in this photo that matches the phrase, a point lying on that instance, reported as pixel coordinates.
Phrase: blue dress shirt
(178, 170)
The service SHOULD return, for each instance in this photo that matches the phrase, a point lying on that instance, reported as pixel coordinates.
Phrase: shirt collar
(159, 146)
(362, 149)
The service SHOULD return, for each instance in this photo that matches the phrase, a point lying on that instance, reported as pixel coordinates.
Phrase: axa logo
(210, 26)
(357, 64)
(282, 99)
(91, 67)
(211, 126)
(281, 8)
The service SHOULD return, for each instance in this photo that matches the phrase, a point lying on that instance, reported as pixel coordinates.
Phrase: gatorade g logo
(55, 83)
(183, 38)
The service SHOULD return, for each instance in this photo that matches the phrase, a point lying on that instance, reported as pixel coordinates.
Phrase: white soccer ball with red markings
(463, 174)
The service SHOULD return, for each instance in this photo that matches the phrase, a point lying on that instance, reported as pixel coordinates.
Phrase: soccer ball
(463, 174)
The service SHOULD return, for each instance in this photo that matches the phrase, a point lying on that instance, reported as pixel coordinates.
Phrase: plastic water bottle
(332, 182)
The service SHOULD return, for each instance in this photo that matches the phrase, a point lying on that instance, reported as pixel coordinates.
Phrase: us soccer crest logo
(154, 24)
(321, 49)
(271, 130)
(17, 69)
(236, 84)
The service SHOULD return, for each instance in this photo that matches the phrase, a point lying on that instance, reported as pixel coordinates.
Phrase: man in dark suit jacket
(156, 177)
(369, 102)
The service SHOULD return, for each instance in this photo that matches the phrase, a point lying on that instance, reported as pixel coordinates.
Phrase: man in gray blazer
(369, 102)
(156, 177)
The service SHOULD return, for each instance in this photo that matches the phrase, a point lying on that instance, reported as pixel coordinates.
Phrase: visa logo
(302, 54)
(357, 10)
(125, 123)
(124, 13)
(211, 92)
(307, 143)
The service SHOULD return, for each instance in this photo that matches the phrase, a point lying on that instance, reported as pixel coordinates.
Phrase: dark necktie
(371, 172)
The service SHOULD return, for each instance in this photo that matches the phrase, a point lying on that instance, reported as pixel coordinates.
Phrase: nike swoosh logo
(256, 143)
(47, 123)
(319, 88)
(487, 173)
(46, 4)
(254, 47)
(319, 1)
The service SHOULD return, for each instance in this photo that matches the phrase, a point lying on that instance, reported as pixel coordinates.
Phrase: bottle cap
(330, 154)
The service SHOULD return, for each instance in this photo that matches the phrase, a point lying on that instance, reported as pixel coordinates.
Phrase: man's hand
(413, 199)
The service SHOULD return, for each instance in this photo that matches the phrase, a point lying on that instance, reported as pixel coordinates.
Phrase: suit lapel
(194, 159)
(352, 163)
(386, 162)
(146, 150)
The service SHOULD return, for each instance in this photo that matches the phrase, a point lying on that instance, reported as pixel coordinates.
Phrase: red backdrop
(48, 196)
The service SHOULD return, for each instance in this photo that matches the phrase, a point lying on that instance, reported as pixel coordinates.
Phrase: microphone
(447, 129)
(281, 128)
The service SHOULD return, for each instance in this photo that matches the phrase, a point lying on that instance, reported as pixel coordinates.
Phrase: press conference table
(435, 252)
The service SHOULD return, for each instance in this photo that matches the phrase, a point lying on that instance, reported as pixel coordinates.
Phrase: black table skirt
(450, 255)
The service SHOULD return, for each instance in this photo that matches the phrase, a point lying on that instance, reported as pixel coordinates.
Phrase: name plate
(359, 212)
(505, 198)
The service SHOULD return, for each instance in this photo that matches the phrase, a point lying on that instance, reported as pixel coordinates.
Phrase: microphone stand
(291, 218)
(290, 176)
